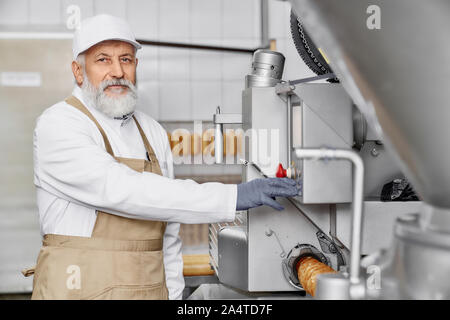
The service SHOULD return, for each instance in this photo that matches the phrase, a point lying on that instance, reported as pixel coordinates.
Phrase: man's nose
(116, 69)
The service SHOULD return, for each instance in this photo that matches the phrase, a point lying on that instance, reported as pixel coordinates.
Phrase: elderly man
(109, 207)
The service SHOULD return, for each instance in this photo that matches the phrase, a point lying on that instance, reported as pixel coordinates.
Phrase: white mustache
(117, 82)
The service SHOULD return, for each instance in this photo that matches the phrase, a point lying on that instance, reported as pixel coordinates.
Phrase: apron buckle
(28, 271)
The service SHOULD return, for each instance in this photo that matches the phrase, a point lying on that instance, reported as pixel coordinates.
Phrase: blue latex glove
(260, 192)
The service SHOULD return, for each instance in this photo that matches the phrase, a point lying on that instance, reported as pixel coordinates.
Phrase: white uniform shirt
(75, 176)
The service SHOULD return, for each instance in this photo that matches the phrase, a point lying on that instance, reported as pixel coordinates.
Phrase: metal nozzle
(267, 69)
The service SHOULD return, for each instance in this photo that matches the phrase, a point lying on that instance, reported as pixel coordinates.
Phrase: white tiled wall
(14, 12)
(46, 12)
(206, 17)
(143, 16)
(116, 8)
(180, 84)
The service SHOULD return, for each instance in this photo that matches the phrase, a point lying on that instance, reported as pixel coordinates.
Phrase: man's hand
(260, 192)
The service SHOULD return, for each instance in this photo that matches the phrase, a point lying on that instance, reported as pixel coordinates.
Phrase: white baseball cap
(99, 28)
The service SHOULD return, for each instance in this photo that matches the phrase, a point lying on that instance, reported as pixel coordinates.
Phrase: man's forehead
(112, 47)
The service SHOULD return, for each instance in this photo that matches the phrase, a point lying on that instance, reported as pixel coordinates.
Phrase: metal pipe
(311, 79)
(181, 45)
(358, 189)
(218, 140)
(265, 43)
(289, 130)
(219, 120)
(218, 143)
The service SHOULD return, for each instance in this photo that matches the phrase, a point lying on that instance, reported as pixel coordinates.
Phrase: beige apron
(123, 259)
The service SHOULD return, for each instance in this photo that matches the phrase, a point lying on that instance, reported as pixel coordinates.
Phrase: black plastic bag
(398, 190)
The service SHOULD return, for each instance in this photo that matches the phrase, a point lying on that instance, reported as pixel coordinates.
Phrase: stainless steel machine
(382, 115)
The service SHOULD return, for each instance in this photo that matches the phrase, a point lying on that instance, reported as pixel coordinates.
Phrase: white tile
(206, 19)
(256, 19)
(206, 96)
(174, 64)
(279, 19)
(235, 66)
(13, 12)
(86, 8)
(238, 17)
(205, 65)
(143, 16)
(116, 8)
(175, 101)
(148, 100)
(174, 22)
(147, 68)
(232, 96)
(45, 12)
(287, 24)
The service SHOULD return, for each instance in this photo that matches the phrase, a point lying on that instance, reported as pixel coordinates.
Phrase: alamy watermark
(373, 281)
(373, 21)
(74, 279)
(198, 147)
(73, 21)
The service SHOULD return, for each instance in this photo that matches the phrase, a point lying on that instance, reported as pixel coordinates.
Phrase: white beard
(114, 107)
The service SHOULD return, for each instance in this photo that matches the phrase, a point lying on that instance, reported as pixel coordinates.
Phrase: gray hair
(81, 59)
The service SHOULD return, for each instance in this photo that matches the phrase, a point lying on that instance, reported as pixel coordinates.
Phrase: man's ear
(136, 61)
(77, 71)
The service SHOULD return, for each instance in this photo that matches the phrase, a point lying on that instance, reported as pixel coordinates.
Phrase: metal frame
(357, 290)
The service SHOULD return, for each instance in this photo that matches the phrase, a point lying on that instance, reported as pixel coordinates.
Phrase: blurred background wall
(176, 87)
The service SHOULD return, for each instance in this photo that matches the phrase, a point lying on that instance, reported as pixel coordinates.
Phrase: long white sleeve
(72, 164)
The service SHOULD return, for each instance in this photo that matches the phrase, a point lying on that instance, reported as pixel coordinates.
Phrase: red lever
(281, 172)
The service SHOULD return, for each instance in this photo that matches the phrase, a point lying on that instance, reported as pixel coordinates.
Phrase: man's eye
(126, 59)
(102, 59)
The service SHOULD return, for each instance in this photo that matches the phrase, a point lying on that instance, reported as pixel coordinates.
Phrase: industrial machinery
(382, 115)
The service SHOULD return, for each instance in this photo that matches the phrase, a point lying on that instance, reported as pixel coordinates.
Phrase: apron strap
(147, 144)
(74, 102)
(78, 105)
